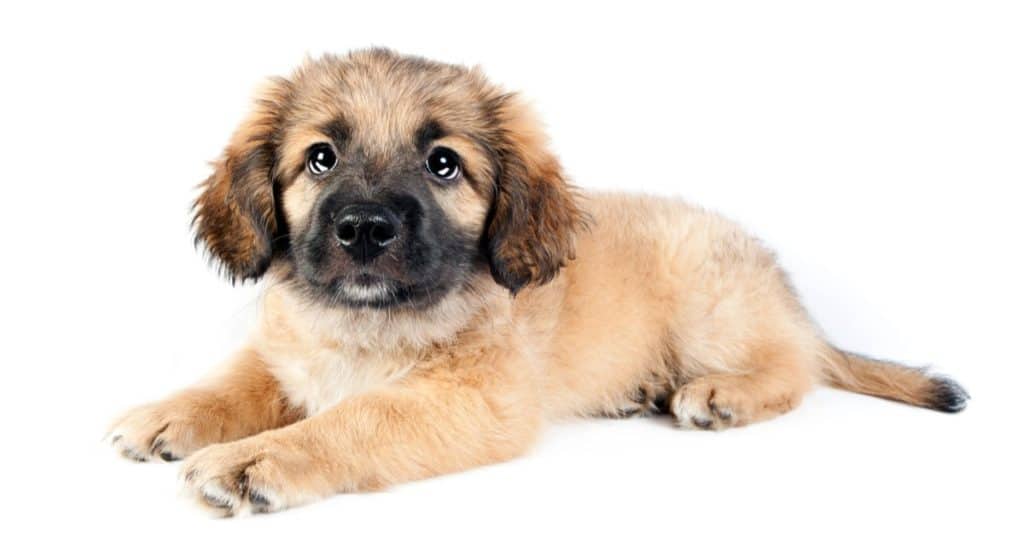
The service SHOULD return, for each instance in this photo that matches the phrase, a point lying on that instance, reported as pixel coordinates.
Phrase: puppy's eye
(320, 159)
(443, 163)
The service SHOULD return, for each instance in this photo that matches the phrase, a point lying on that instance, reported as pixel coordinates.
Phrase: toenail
(701, 422)
(258, 498)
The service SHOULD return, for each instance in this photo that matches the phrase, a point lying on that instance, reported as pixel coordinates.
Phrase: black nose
(365, 230)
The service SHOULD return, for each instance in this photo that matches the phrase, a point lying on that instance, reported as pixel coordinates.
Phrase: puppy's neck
(287, 317)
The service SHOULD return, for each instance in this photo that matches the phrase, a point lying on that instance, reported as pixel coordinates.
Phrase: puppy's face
(378, 180)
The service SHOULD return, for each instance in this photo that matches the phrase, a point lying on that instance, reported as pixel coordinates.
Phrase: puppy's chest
(319, 379)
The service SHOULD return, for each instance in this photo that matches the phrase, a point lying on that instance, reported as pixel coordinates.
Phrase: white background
(876, 145)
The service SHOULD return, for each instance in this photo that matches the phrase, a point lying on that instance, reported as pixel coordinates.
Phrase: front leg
(242, 401)
(444, 419)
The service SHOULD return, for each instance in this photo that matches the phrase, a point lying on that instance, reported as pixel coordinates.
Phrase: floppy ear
(534, 215)
(235, 213)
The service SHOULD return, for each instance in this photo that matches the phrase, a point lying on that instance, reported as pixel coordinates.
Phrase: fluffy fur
(509, 300)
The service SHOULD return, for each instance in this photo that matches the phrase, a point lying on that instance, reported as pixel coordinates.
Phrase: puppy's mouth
(371, 290)
(367, 279)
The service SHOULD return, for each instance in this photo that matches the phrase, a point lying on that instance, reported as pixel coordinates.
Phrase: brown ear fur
(235, 213)
(534, 217)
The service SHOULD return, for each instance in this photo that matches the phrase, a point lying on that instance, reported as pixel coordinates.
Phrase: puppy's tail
(879, 378)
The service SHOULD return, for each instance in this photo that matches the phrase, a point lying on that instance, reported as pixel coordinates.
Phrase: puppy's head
(382, 180)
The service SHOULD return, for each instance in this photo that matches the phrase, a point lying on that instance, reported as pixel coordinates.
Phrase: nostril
(347, 233)
(365, 230)
(382, 234)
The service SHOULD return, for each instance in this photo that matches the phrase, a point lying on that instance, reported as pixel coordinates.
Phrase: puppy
(437, 291)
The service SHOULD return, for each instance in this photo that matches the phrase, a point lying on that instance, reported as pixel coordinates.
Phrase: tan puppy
(437, 292)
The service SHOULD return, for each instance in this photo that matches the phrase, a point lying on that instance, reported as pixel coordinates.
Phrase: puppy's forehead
(382, 102)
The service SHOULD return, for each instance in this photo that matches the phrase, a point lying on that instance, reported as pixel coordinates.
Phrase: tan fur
(889, 380)
(659, 305)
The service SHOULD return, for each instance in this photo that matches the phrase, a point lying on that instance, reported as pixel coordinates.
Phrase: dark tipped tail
(890, 380)
(947, 395)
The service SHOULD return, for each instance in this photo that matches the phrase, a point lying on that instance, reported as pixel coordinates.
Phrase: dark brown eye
(443, 163)
(320, 158)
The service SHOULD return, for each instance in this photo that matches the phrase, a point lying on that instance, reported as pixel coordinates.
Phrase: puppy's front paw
(260, 474)
(168, 430)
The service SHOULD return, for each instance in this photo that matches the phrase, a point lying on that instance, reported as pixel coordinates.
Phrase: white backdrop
(876, 145)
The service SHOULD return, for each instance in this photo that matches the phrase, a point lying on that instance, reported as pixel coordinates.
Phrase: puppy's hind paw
(701, 404)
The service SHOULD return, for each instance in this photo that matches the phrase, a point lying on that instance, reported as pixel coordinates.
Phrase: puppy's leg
(244, 400)
(432, 422)
(719, 401)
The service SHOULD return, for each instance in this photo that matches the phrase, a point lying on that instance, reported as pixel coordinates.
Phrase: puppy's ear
(235, 212)
(534, 215)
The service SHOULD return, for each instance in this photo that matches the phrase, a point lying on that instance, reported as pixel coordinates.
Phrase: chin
(380, 294)
(374, 292)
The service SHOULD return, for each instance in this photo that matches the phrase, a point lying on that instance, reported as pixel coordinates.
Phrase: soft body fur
(507, 300)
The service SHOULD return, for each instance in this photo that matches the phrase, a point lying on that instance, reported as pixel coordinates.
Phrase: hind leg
(721, 401)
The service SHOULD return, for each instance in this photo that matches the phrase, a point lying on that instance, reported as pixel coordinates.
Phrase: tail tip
(947, 395)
